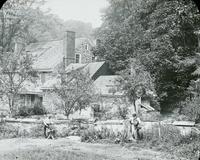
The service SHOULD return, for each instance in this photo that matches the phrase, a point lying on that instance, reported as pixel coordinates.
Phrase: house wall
(44, 76)
(29, 100)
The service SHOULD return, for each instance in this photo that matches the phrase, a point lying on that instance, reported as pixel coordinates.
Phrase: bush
(172, 141)
(37, 109)
(8, 131)
(122, 112)
(24, 111)
(92, 135)
(191, 109)
(189, 151)
(37, 131)
(64, 132)
(166, 139)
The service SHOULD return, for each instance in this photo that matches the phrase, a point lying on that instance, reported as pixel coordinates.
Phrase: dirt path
(114, 152)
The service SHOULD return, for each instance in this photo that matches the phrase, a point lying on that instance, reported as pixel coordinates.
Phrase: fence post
(159, 132)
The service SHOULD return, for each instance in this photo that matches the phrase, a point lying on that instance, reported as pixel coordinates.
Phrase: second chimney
(69, 48)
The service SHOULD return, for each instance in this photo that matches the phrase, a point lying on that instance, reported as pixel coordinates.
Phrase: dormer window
(77, 58)
(86, 47)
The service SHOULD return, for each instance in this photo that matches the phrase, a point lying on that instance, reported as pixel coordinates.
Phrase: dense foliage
(160, 34)
(15, 63)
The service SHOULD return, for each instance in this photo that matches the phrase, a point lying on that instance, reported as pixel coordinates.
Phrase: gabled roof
(93, 67)
(74, 66)
(90, 68)
(49, 54)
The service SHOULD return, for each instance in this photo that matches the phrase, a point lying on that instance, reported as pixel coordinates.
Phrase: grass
(50, 154)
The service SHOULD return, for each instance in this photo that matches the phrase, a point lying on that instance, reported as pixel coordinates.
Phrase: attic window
(77, 58)
(86, 46)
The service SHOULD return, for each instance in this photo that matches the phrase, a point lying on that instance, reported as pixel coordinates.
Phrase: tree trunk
(11, 101)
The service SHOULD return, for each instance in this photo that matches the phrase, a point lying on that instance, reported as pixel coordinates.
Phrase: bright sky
(82, 10)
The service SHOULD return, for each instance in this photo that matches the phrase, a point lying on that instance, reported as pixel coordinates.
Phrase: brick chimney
(69, 48)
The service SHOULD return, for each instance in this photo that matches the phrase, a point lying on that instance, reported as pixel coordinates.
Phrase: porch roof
(30, 88)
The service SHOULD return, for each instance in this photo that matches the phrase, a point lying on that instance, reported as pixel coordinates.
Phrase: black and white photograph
(99, 80)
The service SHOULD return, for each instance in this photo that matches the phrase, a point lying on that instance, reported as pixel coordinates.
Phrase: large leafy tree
(158, 33)
(74, 91)
(16, 17)
(136, 82)
(16, 69)
(170, 41)
(15, 63)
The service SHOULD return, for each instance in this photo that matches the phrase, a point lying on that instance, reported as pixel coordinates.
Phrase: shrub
(167, 137)
(122, 112)
(37, 131)
(37, 109)
(8, 131)
(24, 111)
(189, 151)
(191, 108)
(92, 135)
(64, 132)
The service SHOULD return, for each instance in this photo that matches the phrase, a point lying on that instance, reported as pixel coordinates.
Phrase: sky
(88, 11)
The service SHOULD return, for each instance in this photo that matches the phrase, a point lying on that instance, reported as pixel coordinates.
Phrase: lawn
(50, 154)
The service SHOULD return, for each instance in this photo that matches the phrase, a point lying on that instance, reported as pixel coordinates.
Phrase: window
(43, 77)
(86, 46)
(77, 59)
(93, 58)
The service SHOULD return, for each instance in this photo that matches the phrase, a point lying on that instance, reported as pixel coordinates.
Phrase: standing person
(49, 132)
(135, 126)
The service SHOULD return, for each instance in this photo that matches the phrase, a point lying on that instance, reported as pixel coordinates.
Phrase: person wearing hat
(135, 126)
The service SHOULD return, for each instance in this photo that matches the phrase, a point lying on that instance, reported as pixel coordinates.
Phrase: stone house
(74, 53)
(48, 56)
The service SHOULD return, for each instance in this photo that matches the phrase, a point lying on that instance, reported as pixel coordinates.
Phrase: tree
(118, 34)
(75, 91)
(15, 19)
(16, 69)
(160, 34)
(82, 29)
(15, 63)
(136, 81)
(171, 46)
(191, 108)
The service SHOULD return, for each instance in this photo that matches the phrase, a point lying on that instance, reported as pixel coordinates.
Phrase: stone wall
(31, 127)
